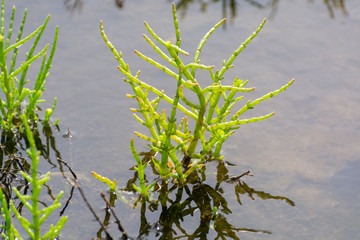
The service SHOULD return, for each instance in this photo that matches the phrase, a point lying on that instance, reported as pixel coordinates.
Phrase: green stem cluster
(212, 111)
(13, 79)
(31, 202)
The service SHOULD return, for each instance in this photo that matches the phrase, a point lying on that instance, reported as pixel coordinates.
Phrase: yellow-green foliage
(215, 119)
(13, 78)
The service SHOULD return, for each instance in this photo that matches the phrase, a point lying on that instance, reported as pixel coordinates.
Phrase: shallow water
(307, 152)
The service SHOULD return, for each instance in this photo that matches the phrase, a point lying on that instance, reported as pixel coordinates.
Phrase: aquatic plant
(17, 97)
(181, 151)
(31, 202)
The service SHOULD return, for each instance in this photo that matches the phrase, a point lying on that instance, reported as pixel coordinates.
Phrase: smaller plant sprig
(13, 79)
(39, 216)
(111, 184)
(10, 231)
(142, 189)
(212, 112)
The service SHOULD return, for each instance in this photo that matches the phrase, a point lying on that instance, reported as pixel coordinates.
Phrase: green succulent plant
(213, 114)
(17, 97)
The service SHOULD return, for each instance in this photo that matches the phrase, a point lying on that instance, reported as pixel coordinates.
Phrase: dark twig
(72, 172)
(121, 228)
(67, 201)
(76, 184)
(72, 189)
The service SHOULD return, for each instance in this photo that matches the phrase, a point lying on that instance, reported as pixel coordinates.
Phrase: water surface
(307, 152)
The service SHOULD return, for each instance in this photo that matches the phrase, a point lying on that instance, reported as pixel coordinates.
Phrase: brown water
(308, 152)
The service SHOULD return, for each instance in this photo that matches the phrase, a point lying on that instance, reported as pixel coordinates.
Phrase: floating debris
(68, 134)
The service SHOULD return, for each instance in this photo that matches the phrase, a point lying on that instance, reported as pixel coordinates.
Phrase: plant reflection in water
(173, 204)
(13, 147)
(73, 5)
(229, 8)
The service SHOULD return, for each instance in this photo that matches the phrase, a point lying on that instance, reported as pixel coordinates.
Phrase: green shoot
(39, 216)
(18, 98)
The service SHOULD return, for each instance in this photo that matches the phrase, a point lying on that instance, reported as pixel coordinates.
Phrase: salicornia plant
(213, 111)
(16, 97)
(31, 202)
